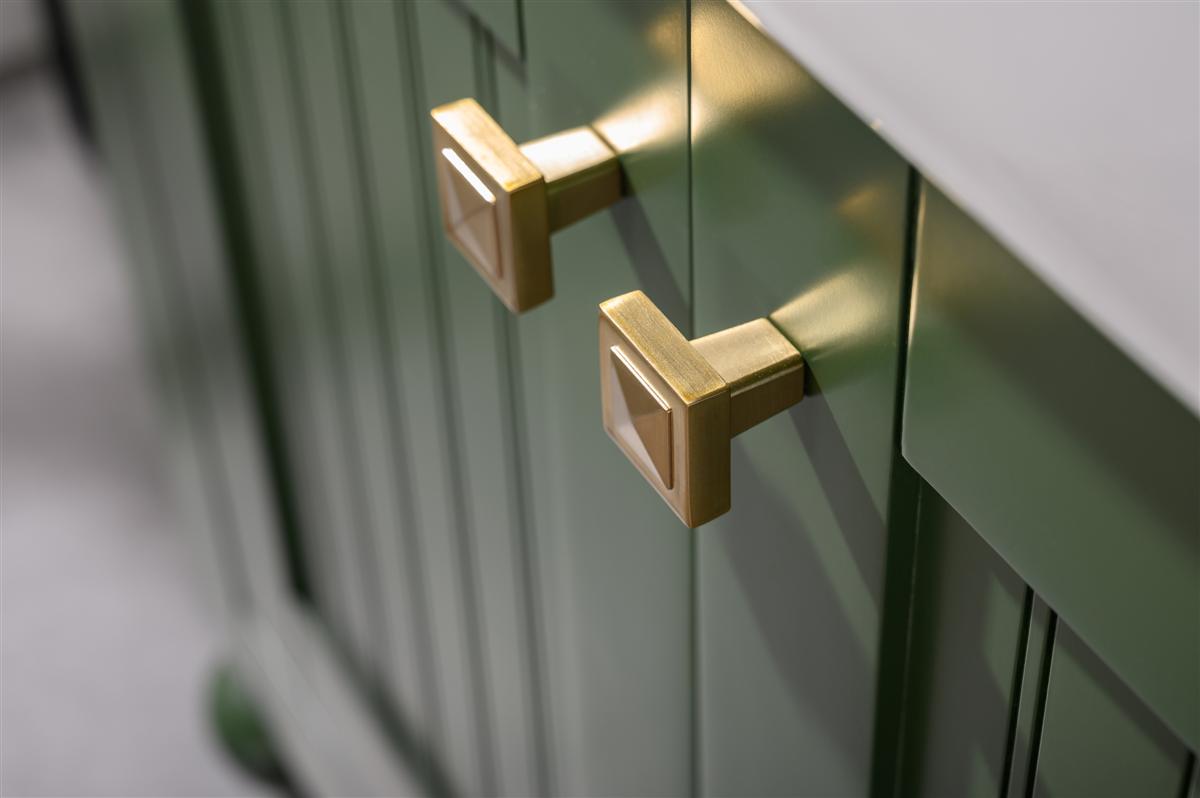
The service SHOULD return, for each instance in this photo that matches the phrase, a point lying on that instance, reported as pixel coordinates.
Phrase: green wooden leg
(241, 728)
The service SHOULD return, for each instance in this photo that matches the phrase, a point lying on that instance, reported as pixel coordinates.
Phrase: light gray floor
(105, 639)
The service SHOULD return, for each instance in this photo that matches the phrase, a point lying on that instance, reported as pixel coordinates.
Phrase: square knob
(673, 405)
(665, 407)
(500, 201)
(494, 204)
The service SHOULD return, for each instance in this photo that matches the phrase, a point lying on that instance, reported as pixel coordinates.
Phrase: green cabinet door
(800, 214)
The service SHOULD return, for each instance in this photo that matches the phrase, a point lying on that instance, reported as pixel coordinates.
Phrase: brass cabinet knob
(500, 200)
(673, 405)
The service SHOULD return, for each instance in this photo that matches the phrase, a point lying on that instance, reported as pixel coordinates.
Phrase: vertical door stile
(500, 529)
(902, 519)
(612, 564)
(508, 97)
(219, 209)
(284, 266)
(395, 530)
(379, 74)
(433, 31)
(308, 36)
(1032, 672)
(254, 168)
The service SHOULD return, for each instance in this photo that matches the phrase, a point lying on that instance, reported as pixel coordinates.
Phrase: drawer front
(1066, 458)
(799, 213)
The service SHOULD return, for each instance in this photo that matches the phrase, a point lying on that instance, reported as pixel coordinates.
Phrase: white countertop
(1070, 130)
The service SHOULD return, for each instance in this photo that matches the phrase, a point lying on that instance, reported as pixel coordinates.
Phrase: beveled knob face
(494, 206)
(673, 405)
(500, 201)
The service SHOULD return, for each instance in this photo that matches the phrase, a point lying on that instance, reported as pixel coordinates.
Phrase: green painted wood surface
(1076, 467)
(1029, 700)
(452, 58)
(1098, 739)
(259, 91)
(390, 142)
(612, 562)
(800, 213)
(340, 245)
(501, 19)
(965, 662)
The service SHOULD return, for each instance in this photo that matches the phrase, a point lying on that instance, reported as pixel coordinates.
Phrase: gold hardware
(501, 201)
(673, 405)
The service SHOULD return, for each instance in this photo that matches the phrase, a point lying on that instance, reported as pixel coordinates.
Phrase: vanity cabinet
(965, 563)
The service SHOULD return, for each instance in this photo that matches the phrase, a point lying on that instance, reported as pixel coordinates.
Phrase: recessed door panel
(258, 91)
(969, 618)
(453, 57)
(1097, 737)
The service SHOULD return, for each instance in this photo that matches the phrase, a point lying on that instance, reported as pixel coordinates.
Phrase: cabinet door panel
(800, 214)
(258, 91)
(613, 563)
(316, 34)
(453, 58)
(1098, 739)
(968, 613)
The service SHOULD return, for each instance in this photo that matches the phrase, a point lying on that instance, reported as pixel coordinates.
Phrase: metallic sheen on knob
(673, 405)
(501, 201)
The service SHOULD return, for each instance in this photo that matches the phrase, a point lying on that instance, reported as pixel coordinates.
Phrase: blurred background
(107, 644)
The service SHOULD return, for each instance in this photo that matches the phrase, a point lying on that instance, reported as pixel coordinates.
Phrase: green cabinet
(965, 564)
